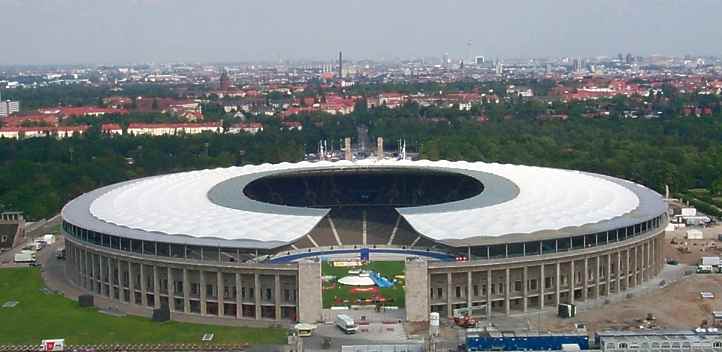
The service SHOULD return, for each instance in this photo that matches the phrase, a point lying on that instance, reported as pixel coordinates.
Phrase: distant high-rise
(8, 107)
(629, 59)
(479, 60)
(578, 65)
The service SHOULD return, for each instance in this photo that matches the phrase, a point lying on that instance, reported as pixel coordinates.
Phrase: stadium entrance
(364, 289)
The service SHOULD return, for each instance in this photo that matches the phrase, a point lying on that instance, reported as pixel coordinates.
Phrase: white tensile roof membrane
(547, 199)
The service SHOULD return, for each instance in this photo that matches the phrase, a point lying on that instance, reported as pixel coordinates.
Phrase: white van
(304, 330)
(346, 323)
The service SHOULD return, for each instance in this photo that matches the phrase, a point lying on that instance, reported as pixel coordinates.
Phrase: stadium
(249, 242)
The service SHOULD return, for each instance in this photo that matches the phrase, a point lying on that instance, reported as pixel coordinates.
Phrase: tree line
(39, 175)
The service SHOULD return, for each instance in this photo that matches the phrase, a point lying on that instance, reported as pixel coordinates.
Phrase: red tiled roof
(175, 125)
(17, 120)
(91, 110)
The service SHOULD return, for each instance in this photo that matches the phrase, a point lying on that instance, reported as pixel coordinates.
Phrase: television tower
(340, 64)
(469, 56)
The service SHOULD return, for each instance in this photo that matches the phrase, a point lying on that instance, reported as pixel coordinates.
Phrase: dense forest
(39, 175)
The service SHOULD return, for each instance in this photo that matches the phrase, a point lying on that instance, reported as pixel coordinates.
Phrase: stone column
(650, 263)
(608, 274)
(257, 293)
(81, 269)
(635, 266)
(239, 298)
(658, 255)
(507, 293)
(557, 284)
(488, 294)
(102, 270)
(645, 255)
(572, 282)
(469, 292)
(103, 274)
(277, 296)
(186, 292)
(88, 270)
(653, 258)
(628, 270)
(619, 271)
(542, 282)
(309, 291)
(120, 279)
(642, 263)
(84, 268)
(131, 283)
(449, 289)
(143, 286)
(597, 276)
(204, 298)
(585, 279)
(156, 288)
(171, 289)
(220, 287)
(524, 288)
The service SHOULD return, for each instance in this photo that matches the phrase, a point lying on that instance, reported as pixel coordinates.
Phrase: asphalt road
(6, 258)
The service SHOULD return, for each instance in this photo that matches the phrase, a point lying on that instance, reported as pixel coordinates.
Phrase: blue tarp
(380, 281)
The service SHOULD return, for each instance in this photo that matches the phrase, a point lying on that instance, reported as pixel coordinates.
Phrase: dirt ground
(677, 306)
(689, 252)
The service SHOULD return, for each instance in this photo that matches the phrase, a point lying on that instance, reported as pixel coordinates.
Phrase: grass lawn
(389, 269)
(40, 315)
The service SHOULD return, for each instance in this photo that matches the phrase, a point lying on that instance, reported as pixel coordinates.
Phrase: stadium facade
(243, 242)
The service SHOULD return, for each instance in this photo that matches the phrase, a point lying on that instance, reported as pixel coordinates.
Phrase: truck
(704, 269)
(25, 256)
(48, 238)
(346, 324)
(465, 321)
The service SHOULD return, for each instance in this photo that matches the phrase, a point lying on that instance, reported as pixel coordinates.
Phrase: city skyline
(82, 32)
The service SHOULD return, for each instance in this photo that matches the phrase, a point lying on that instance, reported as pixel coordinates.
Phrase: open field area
(41, 315)
(334, 292)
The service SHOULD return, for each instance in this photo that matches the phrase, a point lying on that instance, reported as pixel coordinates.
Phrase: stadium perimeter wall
(273, 293)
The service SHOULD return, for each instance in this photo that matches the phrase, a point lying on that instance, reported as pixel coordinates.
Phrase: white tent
(356, 281)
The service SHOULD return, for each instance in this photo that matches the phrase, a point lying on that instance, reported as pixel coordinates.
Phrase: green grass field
(40, 315)
(388, 269)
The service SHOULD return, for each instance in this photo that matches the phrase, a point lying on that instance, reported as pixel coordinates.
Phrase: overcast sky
(125, 31)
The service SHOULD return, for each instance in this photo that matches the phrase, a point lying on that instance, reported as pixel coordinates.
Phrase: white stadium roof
(210, 204)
